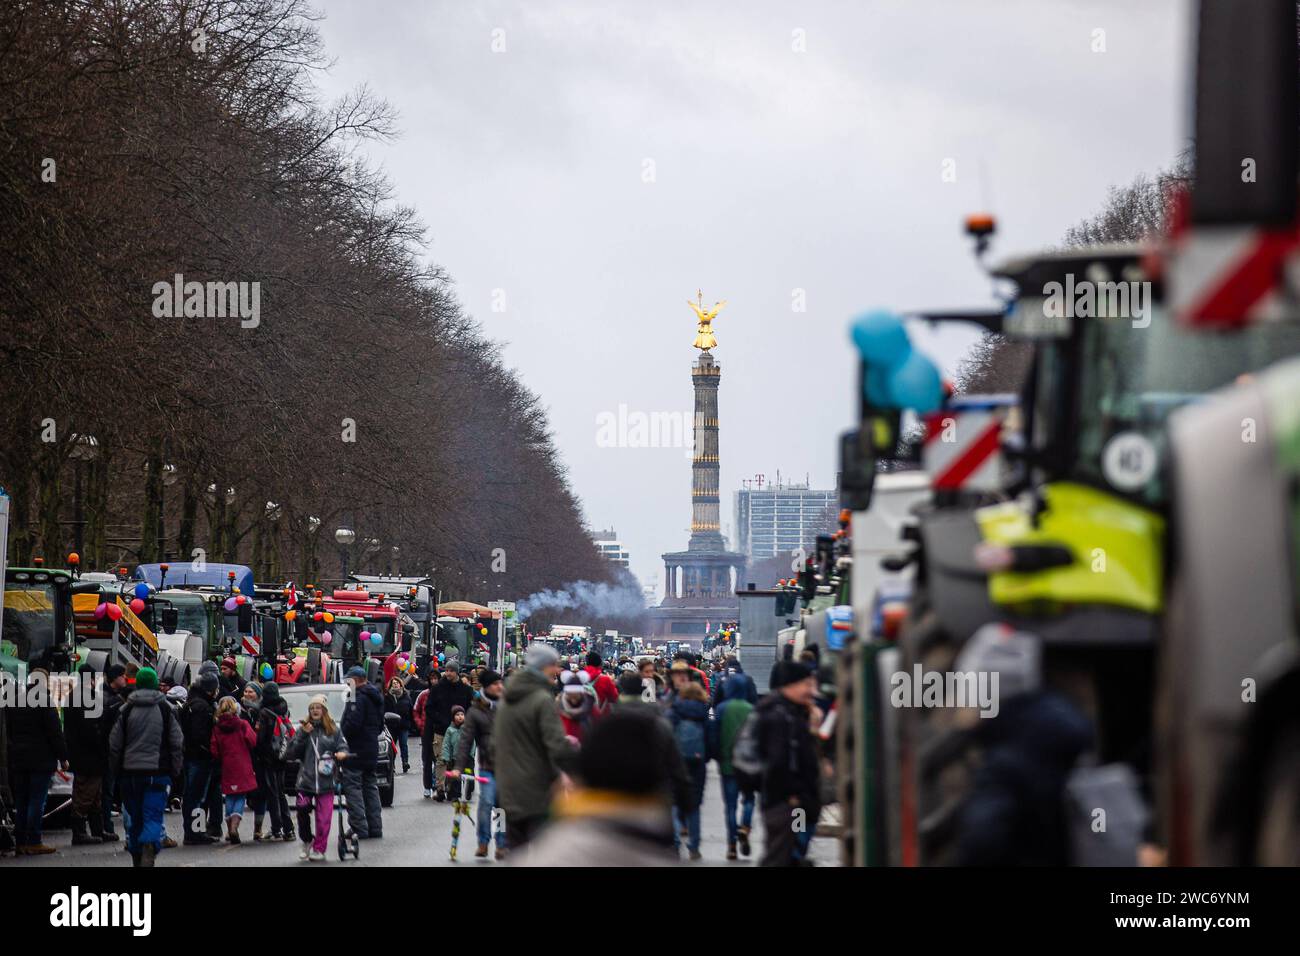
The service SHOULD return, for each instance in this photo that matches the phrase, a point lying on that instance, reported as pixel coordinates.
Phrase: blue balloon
(376, 638)
(881, 339)
(916, 384)
(142, 591)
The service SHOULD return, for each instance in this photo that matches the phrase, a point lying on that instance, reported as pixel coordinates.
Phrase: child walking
(233, 743)
(318, 746)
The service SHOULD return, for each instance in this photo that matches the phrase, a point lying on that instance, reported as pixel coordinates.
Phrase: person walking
(689, 716)
(363, 722)
(318, 746)
(619, 812)
(737, 789)
(146, 749)
(787, 748)
(530, 752)
(87, 756)
(606, 691)
(398, 701)
(447, 693)
(233, 742)
(731, 668)
(232, 685)
(198, 717)
(477, 736)
(114, 698)
(577, 703)
(37, 748)
(272, 723)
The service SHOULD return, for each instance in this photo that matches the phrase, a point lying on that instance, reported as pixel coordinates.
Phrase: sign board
(507, 619)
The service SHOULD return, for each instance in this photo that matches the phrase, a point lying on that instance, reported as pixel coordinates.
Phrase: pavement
(417, 832)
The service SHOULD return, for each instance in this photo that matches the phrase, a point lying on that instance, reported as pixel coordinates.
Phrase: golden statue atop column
(705, 340)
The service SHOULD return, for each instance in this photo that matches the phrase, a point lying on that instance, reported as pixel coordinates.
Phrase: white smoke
(596, 598)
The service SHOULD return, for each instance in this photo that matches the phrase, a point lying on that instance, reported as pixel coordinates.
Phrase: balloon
(376, 638)
(137, 606)
(230, 604)
(114, 612)
(916, 384)
(442, 658)
(267, 672)
(240, 599)
(881, 339)
(364, 635)
(290, 615)
(100, 610)
(142, 590)
(318, 616)
(326, 637)
(329, 618)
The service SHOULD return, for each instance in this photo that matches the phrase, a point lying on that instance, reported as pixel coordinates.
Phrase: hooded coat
(36, 741)
(730, 716)
(529, 750)
(362, 723)
(233, 742)
(273, 706)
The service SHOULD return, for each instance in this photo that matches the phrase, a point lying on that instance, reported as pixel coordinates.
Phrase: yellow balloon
(329, 618)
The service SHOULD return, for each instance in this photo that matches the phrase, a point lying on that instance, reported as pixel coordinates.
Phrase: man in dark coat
(83, 727)
(197, 718)
(115, 688)
(363, 722)
(36, 749)
(791, 790)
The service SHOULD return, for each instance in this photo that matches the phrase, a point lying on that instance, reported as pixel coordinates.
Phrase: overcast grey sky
(615, 157)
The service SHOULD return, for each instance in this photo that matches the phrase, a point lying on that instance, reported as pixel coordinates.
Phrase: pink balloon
(100, 610)
(230, 604)
(137, 605)
(326, 637)
(114, 612)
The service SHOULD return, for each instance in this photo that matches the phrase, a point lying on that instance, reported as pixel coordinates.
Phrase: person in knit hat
(790, 785)
(476, 736)
(450, 751)
(619, 812)
(147, 747)
(197, 719)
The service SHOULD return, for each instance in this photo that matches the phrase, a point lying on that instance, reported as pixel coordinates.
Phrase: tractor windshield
(1132, 377)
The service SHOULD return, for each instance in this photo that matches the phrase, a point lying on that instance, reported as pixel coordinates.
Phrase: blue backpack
(690, 738)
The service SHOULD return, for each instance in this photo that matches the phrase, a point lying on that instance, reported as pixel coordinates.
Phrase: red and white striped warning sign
(962, 448)
(1229, 275)
(251, 645)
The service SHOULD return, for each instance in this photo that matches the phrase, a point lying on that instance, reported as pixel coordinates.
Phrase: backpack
(747, 754)
(281, 736)
(690, 739)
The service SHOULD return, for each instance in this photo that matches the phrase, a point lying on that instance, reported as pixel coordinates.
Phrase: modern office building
(779, 519)
(610, 548)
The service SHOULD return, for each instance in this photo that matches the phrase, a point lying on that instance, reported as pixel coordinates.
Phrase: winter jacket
(696, 712)
(197, 717)
(477, 735)
(613, 831)
(362, 723)
(438, 702)
(233, 742)
(403, 706)
(451, 748)
(730, 715)
(789, 753)
(314, 753)
(528, 747)
(265, 729)
(36, 741)
(146, 737)
(1014, 814)
(84, 731)
(606, 691)
(720, 687)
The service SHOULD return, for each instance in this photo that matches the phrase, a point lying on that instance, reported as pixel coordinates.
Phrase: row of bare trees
(142, 140)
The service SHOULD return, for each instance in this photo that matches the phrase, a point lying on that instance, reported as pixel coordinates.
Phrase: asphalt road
(417, 832)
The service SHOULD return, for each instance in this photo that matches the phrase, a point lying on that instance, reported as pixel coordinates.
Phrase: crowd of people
(574, 762)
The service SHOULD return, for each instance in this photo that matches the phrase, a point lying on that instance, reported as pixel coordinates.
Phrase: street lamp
(84, 448)
(344, 537)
